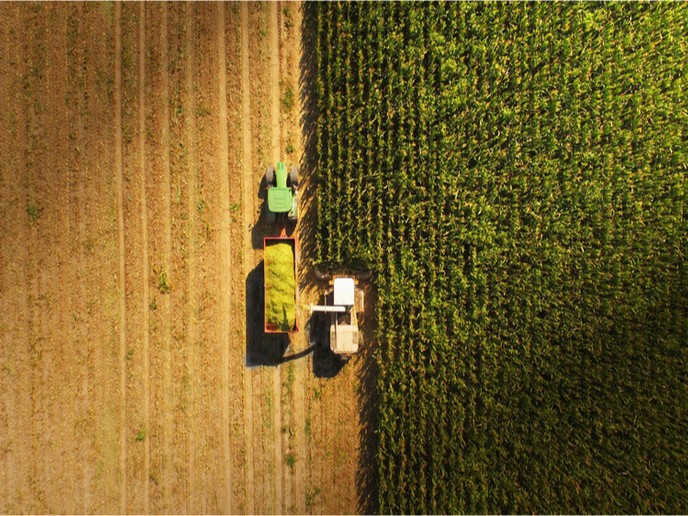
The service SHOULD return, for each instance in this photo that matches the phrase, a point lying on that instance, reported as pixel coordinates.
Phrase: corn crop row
(515, 176)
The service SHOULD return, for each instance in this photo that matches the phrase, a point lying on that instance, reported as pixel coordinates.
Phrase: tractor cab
(282, 197)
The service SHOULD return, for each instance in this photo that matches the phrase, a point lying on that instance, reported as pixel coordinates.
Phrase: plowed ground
(134, 373)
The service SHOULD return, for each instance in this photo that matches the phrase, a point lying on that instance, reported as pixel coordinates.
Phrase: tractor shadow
(262, 349)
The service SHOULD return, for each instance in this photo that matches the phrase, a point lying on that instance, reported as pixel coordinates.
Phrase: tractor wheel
(294, 176)
(270, 176)
(270, 217)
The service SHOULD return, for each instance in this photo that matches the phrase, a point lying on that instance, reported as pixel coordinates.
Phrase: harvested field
(134, 373)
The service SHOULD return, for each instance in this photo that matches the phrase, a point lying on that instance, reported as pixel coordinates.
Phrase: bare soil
(135, 376)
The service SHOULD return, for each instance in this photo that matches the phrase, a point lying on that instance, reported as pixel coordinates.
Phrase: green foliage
(164, 284)
(290, 459)
(288, 99)
(33, 211)
(516, 178)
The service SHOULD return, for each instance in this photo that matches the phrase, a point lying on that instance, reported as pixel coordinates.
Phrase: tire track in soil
(9, 359)
(36, 366)
(145, 277)
(77, 66)
(121, 279)
(59, 381)
(16, 377)
(290, 37)
(347, 451)
(158, 196)
(248, 260)
(102, 470)
(261, 349)
(136, 249)
(92, 249)
(318, 474)
(179, 290)
(211, 276)
(226, 502)
(192, 300)
(274, 80)
(232, 139)
(167, 262)
(37, 493)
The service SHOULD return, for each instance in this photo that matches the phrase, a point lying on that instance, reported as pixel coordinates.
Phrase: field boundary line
(247, 216)
(226, 256)
(120, 231)
(144, 237)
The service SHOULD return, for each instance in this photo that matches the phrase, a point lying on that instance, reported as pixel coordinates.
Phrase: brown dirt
(134, 373)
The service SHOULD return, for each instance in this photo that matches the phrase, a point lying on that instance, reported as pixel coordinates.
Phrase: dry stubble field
(133, 378)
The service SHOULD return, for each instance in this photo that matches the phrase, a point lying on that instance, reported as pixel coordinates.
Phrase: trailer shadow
(265, 349)
(262, 349)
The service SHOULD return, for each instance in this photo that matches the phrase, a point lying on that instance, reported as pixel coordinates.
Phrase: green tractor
(282, 193)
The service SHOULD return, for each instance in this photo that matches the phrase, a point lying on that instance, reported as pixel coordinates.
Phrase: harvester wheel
(270, 176)
(294, 176)
(322, 275)
(360, 302)
(364, 275)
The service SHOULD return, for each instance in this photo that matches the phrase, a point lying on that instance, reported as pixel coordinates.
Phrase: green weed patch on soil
(280, 286)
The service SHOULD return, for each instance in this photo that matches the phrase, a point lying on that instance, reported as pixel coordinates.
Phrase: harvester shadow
(262, 349)
(326, 364)
(300, 354)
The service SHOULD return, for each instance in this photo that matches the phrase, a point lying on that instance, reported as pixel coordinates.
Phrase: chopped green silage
(280, 287)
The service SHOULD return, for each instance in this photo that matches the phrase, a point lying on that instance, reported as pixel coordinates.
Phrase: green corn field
(515, 176)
